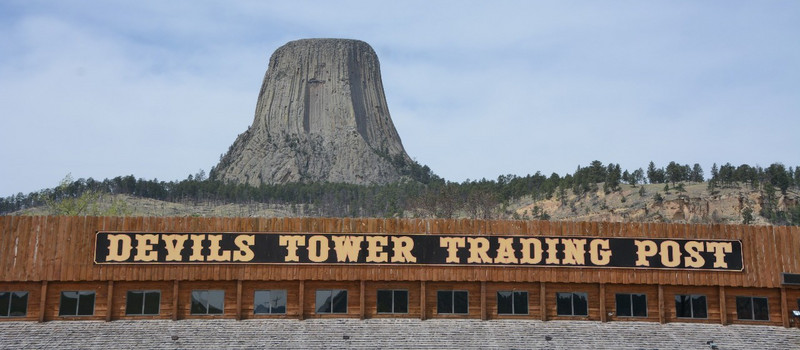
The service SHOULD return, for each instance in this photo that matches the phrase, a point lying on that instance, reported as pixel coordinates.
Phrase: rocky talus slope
(321, 116)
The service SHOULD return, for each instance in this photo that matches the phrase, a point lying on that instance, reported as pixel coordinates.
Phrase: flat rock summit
(321, 116)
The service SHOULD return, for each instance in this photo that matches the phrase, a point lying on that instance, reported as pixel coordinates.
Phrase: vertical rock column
(321, 116)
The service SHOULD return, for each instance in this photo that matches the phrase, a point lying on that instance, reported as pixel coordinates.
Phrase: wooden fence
(46, 248)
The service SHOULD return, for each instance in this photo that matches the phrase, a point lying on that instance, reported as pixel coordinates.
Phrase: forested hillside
(675, 192)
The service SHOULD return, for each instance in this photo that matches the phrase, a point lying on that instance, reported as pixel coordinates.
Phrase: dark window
(631, 305)
(512, 303)
(452, 302)
(393, 301)
(332, 301)
(690, 306)
(208, 302)
(13, 304)
(572, 304)
(270, 301)
(143, 302)
(77, 303)
(752, 308)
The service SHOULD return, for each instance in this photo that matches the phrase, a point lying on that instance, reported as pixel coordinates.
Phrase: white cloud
(475, 89)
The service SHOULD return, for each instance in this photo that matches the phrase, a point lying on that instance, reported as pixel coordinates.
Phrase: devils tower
(321, 116)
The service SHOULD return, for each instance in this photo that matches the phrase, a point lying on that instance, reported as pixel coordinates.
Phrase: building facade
(110, 268)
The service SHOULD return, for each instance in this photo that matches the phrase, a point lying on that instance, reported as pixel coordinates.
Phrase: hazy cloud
(475, 89)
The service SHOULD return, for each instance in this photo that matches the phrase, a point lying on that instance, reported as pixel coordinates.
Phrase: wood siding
(473, 299)
(650, 291)
(480, 304)
(38, 248)
(353, 299)
(592, 293)
(712, 303)
(249, 289)
(371, 299)
(120, 299)
(534, 309)
(773, 302)
(53, 303)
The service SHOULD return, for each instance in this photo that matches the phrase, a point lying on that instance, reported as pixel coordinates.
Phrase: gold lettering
(531, 250)
(174, 246)
(244, 243)
(644, 250)
(402, 249)
(505, 253)
(478, 248)
(197, 247)
(375, 251)
(574, 251)
(600, 252)
(318, 248)
(117, 252)
(719, 249)
(452, 244)
(552, 250)
(215, 251)
(291, 243)
(670, 253)
(347, 247)
(144, 247)
(694, 259)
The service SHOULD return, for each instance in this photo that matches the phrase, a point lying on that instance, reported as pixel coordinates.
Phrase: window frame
(6, 311)
(144, 292)
(691, 304)
(514, 303)
(452, 293)
(752, 308)
(572, 303)
(394, 298)
(332, 302)
(269, 291)
(61, 311)
(631, 303)
(207, 302)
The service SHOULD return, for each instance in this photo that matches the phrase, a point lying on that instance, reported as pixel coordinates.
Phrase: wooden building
(110, 268)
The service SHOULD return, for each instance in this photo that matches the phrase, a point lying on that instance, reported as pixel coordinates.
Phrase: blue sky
(159, 89)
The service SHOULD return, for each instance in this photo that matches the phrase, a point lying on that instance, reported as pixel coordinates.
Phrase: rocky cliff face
(321, 116)
(693, 205)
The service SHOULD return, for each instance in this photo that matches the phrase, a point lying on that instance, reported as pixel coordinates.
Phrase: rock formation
(321, 116)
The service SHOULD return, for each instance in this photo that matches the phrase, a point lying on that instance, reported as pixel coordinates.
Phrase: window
(143, 302)
(393, 301)
(270, 302)
(512, 303)
(752, 308)
(631, 305)
(332, 301)
(13, 304)
(208, 302)
(690, 306)
(452, 302)
(572, 304)
(77, 303)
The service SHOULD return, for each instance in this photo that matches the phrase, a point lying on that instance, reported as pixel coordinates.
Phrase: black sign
(416, 249)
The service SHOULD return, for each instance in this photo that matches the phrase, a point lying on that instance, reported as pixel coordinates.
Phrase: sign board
(416, 249)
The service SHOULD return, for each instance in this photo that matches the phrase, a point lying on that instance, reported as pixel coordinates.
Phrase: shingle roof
(390, 333)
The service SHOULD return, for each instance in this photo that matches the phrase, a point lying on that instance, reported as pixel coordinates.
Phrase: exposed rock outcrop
(696, 204)
(321, 116)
